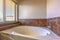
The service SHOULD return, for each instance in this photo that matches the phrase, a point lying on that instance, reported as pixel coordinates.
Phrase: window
(10, 10)
(1, 10)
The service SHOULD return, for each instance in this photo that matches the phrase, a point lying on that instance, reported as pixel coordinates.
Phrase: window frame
(14, 12)
(4, 12)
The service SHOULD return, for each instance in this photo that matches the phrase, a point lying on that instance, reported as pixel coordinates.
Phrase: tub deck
(51, 36)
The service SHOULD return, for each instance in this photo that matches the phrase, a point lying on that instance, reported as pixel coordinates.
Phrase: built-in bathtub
(27, 32)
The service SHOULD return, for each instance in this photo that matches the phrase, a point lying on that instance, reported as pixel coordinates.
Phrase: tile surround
(27, 22)
(53, 22)
(55, 25)
(34, 22)
(9, 25)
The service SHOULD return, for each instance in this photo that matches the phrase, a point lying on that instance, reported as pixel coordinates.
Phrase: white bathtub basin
(31, 31)
(28, 31)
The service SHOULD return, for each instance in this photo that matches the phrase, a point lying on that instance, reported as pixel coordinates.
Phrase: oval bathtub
(28, 31)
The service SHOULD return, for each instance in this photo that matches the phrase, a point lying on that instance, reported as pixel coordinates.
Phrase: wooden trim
(15, 13)
(4, 10)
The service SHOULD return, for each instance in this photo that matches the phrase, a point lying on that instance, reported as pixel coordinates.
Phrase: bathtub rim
(23, 34)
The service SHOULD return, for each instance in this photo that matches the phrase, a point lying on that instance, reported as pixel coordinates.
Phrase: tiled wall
(34, 22)
(55, 25)
(53, 22)
(9, 25)
(27, 22)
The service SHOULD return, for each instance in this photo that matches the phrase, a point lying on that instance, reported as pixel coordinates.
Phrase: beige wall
(53, 8)
(29, 9)
(39, 8)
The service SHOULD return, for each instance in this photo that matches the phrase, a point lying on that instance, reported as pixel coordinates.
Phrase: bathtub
(27, 32)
